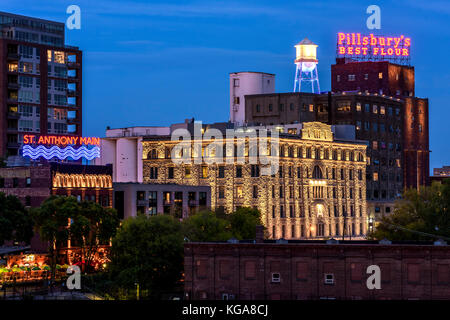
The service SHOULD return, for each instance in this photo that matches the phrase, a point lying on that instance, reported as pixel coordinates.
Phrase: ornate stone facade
(318, 192)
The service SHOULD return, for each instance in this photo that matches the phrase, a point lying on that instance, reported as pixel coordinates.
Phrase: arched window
(317, 173)
(360, 157)
(317, 153)
(152, 154)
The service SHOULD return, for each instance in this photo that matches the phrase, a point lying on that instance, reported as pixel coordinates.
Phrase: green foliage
(424, 211)
(15, 221)
(243, 223)
(90, 224)
(206, 226)
(209, 226)
(148, 251)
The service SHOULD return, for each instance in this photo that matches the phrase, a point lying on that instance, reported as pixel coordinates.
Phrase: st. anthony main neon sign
(61, 147)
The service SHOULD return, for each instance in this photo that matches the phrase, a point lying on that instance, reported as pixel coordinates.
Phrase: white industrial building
(245, 83)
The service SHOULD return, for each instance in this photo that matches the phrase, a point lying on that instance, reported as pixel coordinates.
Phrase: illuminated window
(59, 57)
(239, 192)
(49, 55)
(420, 128)
(380, 75)
(375, 176)
(12, 67)
(374, 145)
(204, 172)
(358, 106)
(375, 109)
(311, 108)
(382, 110)
(187, 172)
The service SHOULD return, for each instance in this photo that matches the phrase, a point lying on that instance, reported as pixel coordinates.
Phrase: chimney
(259, 236)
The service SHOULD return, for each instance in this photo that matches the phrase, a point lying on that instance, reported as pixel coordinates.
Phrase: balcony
(73, 65)
(13, 85)
(72, 93)
(14, 145)
(73, 120)
(13, 115)
(13, 56)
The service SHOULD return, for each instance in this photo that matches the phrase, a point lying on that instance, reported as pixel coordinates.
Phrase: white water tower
(306, 66)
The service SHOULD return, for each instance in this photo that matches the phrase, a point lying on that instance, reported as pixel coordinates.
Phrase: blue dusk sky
(157, 63)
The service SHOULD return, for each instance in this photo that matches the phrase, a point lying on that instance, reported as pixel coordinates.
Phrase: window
(239, 192)
(311, 108)
(236, 82)
(255, 192)
(170, 173)
(238, 171)
(275, 277)
(258, 108)
(358, 106)
(28, 182)
(153, 173)
(254, 170)
(338, 78)
(351, 77)
(329, 278)
(375, 176)
(221, 172)
(375, 108)
(15, 182)
(221, 192)
(382, 110)
(366, 76)
(366, 107)
(380, 75)
(187, 172)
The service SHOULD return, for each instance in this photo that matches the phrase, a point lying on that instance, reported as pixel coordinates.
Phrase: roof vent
(385, 241)
(332, 241)
(440, 242)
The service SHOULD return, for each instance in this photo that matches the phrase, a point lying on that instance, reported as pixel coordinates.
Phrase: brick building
(291, 270)
(40, 82)
(34, 184)
(386, 78)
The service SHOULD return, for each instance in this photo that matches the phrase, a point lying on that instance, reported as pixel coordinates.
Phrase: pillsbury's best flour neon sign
(373, 47)
(61, 147)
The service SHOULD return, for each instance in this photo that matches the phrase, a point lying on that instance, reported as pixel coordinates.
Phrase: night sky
(157, 63)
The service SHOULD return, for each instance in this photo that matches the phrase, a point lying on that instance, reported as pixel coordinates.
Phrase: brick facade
(250, 271)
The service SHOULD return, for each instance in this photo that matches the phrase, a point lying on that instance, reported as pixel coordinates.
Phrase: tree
(52, 222)
(92, 226)
(243, 223)
(148, 251)
(15, 221)
(87, 224)
(420, 215)
(206, 226)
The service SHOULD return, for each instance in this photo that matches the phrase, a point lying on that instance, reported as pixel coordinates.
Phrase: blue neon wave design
(61, 153)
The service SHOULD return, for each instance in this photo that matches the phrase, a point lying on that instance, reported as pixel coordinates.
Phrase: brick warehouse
(291, 270)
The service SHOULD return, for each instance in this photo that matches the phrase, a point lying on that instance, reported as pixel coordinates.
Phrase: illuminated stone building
(318, 190)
